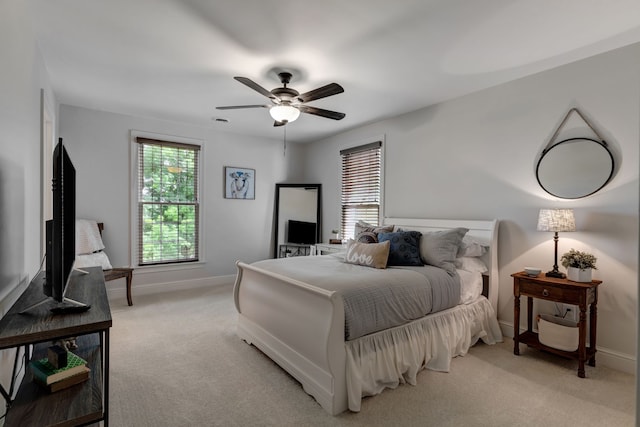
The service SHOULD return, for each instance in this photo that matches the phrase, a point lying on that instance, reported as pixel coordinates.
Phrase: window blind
(361, 171)
(168, 202)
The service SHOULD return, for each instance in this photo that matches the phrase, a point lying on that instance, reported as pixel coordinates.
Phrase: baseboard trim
(606, 357)
(118, 292)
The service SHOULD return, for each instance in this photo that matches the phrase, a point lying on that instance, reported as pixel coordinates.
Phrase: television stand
(294, 249)
(66, 309)
(67, 305)
(84, 403)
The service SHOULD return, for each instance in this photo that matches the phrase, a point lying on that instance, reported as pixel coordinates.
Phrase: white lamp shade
(556, 220)
(284, 113)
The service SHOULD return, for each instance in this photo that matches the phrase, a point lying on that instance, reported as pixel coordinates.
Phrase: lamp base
(556, 274)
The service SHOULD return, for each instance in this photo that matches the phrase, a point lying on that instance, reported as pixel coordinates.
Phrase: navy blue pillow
(404, 247)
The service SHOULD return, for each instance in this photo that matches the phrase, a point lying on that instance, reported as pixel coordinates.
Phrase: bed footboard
(299, 326)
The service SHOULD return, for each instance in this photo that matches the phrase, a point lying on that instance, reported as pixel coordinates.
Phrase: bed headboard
(484, 231)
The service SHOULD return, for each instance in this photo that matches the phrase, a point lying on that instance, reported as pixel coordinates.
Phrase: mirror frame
(568, 141)
(276, 217)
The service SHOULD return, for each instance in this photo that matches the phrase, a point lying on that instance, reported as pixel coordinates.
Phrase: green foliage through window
(168, 226)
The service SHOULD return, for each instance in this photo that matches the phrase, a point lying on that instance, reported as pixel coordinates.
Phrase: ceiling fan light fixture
(284, 113)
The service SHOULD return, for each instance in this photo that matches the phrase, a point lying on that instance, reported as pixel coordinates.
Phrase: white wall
(22, 77)
(99, 146)
(474, 157)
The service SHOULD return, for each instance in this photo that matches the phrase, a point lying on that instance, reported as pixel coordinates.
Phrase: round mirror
(575, 168)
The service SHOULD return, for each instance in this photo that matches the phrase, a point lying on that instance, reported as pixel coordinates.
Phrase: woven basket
(557, 332)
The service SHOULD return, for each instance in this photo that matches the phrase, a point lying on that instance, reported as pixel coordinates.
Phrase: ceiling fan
(287, 103)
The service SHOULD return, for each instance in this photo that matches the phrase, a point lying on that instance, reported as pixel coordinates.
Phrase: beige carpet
(176, 361)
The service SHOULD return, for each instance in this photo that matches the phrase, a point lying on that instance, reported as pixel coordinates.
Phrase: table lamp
(556, 220)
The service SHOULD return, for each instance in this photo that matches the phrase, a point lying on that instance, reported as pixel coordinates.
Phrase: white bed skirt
(388, 358)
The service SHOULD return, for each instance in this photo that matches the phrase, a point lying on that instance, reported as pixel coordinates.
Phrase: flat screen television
(301, 232)
(61, 235)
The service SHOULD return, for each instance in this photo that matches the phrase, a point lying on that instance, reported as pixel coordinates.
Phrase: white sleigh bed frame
(301, 327)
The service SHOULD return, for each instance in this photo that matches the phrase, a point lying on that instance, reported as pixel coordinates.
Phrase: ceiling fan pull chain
(284, 147)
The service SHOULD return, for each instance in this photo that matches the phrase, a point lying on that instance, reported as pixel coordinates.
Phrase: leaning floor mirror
(297, 226)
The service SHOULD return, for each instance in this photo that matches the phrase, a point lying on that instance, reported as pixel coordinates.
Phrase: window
(361, 176)
(167, 202)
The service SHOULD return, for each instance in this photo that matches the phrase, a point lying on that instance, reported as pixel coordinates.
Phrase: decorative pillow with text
(367, 254)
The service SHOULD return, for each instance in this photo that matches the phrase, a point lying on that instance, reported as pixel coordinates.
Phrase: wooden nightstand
(561, 291)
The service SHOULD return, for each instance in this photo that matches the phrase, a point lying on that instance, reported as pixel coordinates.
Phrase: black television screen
(61, 236)
(301, 232)
(61, 230)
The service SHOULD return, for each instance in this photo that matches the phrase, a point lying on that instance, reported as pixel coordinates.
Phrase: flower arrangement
(578, 259)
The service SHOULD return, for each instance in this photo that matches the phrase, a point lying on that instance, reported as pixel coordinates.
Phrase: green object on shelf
(46, 373)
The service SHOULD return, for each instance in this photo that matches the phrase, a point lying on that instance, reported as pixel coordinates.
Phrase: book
(68, 382)
(45, 373)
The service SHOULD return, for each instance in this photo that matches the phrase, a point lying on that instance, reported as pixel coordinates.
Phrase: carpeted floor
(176, 361)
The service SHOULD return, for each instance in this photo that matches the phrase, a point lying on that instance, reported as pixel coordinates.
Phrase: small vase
(579, 274)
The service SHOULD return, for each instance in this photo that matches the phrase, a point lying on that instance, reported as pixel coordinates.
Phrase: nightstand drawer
(550, 292)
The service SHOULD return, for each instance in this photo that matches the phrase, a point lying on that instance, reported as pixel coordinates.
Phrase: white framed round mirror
(575, 168)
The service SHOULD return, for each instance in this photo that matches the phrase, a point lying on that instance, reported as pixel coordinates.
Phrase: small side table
(584, 295)
(329, 248)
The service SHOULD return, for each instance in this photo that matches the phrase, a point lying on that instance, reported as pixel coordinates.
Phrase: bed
(298, 322)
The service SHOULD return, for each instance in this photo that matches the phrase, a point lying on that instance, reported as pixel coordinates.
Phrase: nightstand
(584, 295)
(329, 248)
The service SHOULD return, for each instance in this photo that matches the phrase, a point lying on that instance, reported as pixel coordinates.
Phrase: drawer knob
(545, 292)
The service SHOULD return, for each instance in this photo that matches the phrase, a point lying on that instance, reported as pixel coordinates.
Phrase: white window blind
(168, 208)
(361, 171)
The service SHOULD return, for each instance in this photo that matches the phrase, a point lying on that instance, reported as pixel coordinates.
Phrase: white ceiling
(175, 60)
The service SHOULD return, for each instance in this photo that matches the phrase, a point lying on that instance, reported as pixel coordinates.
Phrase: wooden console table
(562, 291)
(35, 330)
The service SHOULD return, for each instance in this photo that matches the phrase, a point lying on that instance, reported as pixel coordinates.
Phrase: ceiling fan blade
(277, 123)
(321, 92)
(235, 107)
(322, 113)
(255, 86)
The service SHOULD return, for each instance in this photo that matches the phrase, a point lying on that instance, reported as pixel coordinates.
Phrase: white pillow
(88, 239)
(97, 259)
(470, 247)
(472, 264)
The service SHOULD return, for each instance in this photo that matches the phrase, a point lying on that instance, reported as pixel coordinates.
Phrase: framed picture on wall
(239, 183)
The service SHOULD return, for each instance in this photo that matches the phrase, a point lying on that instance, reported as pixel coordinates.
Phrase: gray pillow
(368, 233)
(440, 248)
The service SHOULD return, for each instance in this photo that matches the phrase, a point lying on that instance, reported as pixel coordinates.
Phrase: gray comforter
(374, 299)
